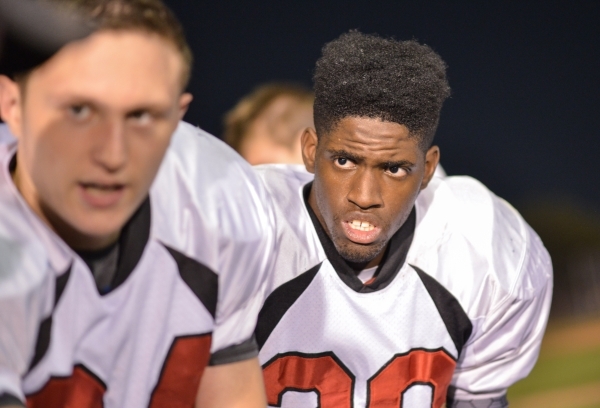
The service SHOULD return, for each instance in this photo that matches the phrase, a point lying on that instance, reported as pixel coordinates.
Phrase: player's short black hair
(369, 76)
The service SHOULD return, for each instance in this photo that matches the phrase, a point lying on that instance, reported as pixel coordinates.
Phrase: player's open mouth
(361, 231)
(361, 225)
(101, 195)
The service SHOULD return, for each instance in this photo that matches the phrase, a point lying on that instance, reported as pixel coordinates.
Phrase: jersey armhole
(490, 402)
(10, 400)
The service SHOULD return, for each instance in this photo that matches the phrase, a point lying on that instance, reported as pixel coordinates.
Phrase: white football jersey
(456, 312)
(189, 283)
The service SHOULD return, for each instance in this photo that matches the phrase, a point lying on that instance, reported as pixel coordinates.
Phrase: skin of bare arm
(234, 385)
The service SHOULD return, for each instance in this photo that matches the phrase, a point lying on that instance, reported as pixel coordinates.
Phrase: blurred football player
(266, 125)
(409, 290)
(132, 263)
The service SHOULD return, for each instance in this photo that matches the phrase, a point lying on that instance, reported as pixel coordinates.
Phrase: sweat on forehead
(360, 75)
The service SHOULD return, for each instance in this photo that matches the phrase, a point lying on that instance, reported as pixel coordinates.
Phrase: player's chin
(359, 253)
(99, 223)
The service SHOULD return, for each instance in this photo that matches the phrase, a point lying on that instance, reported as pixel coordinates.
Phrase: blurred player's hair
(239, 119)
(151, 16)
(369, 76)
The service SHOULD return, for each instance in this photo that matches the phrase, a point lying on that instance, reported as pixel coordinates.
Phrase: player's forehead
(112, 65)
(371, 139)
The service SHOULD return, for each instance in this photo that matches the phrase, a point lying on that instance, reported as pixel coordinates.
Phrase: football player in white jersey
(132, 263)
(409, 290)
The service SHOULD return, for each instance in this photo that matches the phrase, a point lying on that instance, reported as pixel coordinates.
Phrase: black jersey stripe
(132, 242)
(43, 338)
(457, 322)
(199, 278)
(279, 301)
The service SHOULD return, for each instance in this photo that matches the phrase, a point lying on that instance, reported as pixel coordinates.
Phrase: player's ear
(432, 158)
(10, 104)
(184, 102)
(309, 148)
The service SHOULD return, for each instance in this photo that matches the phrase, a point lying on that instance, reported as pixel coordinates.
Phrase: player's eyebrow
(399, 163)
(343, 153)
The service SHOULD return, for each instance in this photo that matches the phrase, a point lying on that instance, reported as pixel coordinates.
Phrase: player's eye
(141, 117)
(343, 163)
(396, 171)
(80, 112)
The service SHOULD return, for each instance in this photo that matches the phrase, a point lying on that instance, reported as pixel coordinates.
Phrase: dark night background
(524, 116)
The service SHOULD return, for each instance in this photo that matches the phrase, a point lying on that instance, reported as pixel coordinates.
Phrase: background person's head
(94, 121)
(377, 106)
(266, 125)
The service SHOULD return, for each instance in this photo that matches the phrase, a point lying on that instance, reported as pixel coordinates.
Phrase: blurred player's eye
(79, 112)
(141, 117)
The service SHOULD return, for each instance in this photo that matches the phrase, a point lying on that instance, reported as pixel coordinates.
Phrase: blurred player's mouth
(361, 231)
(101, 195)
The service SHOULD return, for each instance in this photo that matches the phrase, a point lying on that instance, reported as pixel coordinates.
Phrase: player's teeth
(361, 226)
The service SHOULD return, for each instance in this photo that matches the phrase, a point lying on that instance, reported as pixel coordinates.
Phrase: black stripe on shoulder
(199, 278)
(9, 399)
(279, 301)
(457, 322)
(43, 338)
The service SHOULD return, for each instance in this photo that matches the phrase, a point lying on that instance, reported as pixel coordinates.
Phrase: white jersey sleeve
(506, 341)
(229, 228)
(24, 297)
(498, 268)
(18, 331)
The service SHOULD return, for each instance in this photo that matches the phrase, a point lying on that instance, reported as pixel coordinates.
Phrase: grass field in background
(567, 374)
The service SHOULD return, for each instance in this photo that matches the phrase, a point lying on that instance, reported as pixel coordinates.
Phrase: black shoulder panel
(200, 279)
(455, 318)
(43, 338)
(279, 301)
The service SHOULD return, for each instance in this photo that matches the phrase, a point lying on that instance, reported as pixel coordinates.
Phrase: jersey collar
(393, 259)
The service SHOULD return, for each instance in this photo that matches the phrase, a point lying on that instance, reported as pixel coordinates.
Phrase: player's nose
(110, 145)
(365, 190)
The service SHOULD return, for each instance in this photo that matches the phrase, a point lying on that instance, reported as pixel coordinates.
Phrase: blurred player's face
(368, 174)
(93, 124)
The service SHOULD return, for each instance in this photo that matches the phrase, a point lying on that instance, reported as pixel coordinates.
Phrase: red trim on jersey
(81, 390)
(370, 281)
(180, 377)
